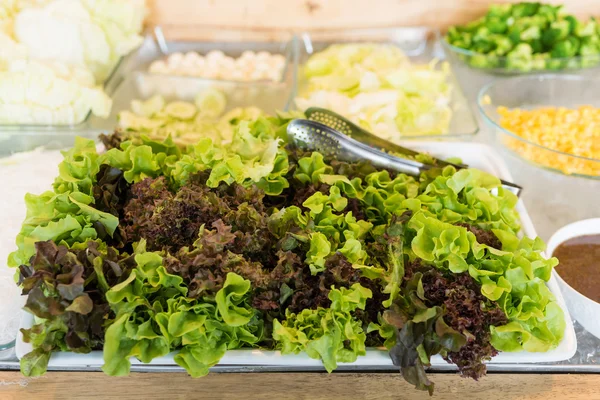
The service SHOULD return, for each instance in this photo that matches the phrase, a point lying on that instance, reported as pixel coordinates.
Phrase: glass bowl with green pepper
(524, 38)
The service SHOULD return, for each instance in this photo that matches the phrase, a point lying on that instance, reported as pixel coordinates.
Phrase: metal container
(138, 83)
(421, 46)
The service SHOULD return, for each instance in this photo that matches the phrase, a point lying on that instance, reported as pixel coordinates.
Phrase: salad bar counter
(216, 217)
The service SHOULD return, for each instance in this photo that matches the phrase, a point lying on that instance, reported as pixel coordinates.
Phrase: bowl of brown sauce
(577, 247)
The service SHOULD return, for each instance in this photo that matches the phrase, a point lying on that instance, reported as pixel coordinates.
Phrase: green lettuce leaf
(65, 293)
(65, 215)
(332, 335)
(514, 277)
(253, 156)
(230, 301)
(154, 317)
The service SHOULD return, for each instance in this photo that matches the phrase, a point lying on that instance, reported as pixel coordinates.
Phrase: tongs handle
(512, 187)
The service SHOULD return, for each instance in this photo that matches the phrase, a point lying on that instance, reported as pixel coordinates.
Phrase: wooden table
(281, 386)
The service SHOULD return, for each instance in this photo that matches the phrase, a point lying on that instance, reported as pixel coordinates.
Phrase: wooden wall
(179, 15)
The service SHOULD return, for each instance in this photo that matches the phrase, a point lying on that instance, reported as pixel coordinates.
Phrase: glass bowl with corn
(552, 121)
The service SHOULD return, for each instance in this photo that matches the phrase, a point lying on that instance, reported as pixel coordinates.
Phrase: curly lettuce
(67, 214)
(330, 229)
(65, 289)
(192, 251)
(514, 277)
(154, 316)
(331, 334)
(452, 196)
(253, 156)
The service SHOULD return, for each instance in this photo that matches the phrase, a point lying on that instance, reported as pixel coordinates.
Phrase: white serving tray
(475, 155)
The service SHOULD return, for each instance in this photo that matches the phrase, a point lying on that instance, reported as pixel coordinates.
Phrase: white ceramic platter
(475, 155)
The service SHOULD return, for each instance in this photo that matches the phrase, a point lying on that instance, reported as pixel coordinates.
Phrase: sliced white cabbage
(89, 33)
(377, 87)
(55, 54)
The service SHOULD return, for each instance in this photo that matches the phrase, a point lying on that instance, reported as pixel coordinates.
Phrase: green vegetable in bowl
(520, 57)
(502, 45)
(527, 37)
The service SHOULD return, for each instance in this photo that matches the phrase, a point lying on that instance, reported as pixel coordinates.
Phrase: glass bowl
(533, 91)
(504, 65)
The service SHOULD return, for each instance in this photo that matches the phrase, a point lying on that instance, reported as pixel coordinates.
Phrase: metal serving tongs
(351, 130)
(332, 134)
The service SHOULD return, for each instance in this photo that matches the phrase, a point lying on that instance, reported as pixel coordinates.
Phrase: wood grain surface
(180, 16)
(283, 386)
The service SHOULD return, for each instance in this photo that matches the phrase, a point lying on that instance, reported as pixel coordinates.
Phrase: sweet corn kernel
(572, 131)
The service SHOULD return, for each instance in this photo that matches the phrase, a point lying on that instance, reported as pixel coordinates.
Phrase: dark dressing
(580, 264)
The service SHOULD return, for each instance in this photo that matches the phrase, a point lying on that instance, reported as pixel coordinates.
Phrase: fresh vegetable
(569, 131)
(66, 290)
(330, 334)
(526, 37)
(377, 87)
(43, 93)
(93, 34)
(214, 246)
(57, 54)
(186, 123)
(153, 315)
(211, 103)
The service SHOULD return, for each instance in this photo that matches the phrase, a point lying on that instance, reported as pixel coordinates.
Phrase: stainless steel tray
(136, 82)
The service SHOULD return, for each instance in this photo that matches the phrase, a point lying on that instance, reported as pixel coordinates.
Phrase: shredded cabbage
(378, 88)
